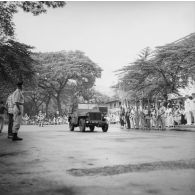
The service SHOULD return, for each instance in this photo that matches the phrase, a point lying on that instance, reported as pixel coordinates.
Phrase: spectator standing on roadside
(169, 116)
(147, 115)
(122, 121)
(18, 100)
(10, 111)
(177, 115)
(193, 106)
(161, 116)
(127, 117)
(188, 109)
(122, 117)
(132, 118)
(26, 119)
(182, 111)
(54, 120)
(40, 118)
(142, 122)
(153, 118)
(2, 115)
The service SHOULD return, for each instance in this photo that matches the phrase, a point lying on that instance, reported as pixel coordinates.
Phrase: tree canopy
(16, 62)
(57, 69)
(9, 8)
(162, 71)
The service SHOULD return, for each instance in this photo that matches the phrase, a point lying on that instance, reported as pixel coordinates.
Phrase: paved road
(52, 160)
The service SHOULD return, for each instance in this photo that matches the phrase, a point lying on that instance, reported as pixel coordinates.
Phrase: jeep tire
(82, 125)
(105, 128)
(71, 126)
(92, 128)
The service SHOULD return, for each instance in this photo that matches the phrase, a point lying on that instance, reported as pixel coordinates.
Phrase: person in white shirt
(41, 117)
(153, 118)
(10, 110)
(188, 109)
(161, 116)
(26, 119)
(193, 106)
(18, 100)
(169, 116)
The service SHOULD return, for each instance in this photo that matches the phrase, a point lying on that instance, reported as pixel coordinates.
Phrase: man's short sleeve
(16, 96)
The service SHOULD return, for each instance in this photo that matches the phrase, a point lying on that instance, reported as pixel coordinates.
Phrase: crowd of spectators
(159, 116)
(41, 119)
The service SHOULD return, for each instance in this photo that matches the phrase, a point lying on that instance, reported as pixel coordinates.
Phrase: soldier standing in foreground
(10, 107)
(18, 100)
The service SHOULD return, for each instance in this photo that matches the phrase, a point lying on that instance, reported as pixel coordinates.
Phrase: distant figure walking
(18, 110)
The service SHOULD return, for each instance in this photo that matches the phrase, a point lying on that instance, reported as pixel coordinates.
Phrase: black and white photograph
(97, 97)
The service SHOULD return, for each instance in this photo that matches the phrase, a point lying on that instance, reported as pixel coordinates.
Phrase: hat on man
(19, 83)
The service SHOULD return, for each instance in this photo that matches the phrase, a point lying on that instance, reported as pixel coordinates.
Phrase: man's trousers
(17, 119)
(1, 122)
(10, 124)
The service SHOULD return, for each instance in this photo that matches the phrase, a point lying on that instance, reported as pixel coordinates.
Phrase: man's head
(190, 97)
(193, 95)
(19, 84)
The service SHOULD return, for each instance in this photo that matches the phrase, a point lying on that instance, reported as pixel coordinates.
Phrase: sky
(110, 33)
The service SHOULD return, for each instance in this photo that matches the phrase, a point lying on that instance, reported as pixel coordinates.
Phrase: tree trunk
(59, 104)
(149, 106)
(156, 104)
(47, 106)
(137, 115)
(36, 108)
(165, 97)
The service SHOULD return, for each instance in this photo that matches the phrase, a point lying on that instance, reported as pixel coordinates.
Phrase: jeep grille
(95, 116)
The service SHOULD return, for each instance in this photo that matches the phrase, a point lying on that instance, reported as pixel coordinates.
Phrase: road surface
(51, 160)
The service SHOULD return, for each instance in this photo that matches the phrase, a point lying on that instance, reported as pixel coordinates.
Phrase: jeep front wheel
(71, 127)
(105, 128)
(82, 125)
(92, 128)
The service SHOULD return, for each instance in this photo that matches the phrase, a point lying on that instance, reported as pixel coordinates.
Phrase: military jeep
(88, 115)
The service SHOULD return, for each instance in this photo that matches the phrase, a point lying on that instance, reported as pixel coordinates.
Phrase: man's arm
(18, 106)
(5, 109)
(16, 100)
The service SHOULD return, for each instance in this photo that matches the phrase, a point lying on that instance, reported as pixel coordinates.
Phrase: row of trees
(64, 77)
(54, 79)
(16, 62)
(158, 73)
